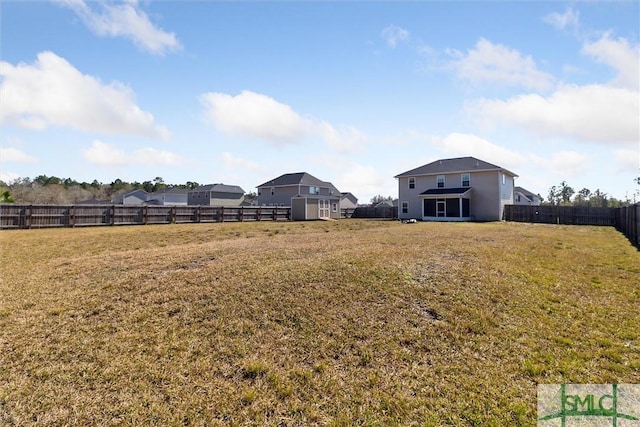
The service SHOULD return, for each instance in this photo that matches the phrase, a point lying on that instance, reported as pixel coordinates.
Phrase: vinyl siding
(487, 198)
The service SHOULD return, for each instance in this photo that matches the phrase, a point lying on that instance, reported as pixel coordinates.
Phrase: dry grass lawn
(340, 323)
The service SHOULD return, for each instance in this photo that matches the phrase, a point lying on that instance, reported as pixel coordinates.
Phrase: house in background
(522, 196)
(169, 196)
(216, 195)
(459, 189)
(348, 201)
(309, 197)
(135, 197)
(387, 204)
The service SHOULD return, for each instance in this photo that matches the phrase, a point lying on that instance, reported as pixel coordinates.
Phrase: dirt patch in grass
(322, 323)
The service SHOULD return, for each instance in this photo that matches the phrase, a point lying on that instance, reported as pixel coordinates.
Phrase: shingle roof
(172, 190)
(220, 188)
(298, 178)
(456, 165)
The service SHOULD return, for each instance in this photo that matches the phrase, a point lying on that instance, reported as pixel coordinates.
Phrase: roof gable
(455, 165)
(528, 194)
(349, 196)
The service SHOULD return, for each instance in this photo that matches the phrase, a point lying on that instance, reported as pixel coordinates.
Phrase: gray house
(135, 197)
(216, 195)
(522, 196)
(309, 197)
(348, 201)
(460, 189)
(169, 196)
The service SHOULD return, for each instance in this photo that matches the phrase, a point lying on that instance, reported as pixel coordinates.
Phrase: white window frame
(468, 175)
(273, 191)
(440, 179)
(412, 183)
(404, 207)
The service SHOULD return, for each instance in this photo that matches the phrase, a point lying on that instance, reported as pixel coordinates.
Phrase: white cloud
(259, 116)
(619, 55)
(393, 35)
(103, 154)
(561, 21)
(459, 144)
(627, 160)
(565, 163)
(591, 113)
(496, 63)
(153, 156)
(124, 20)
(14, 155)
(255, 115)
(51, 92)
(238, 163)
(348, 139)
(365, 182)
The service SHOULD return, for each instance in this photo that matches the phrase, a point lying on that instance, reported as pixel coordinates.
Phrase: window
(504, 179)
(466, 179)
(273, 191)
(412, 182)
(314, 190)
(405, 207)
(334, 207)
(440, 181)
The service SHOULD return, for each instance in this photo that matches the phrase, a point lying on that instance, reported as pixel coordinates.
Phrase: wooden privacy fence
(386, 212)
(628, 222)
(43, 216)
(577, 215)
(626, 219)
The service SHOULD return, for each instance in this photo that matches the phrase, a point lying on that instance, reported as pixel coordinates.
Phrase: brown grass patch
(324, 323)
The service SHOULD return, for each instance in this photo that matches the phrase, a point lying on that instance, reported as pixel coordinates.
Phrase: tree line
(45, 189)
(564, 195)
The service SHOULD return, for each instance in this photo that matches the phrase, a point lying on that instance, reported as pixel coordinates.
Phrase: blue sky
(351, 92)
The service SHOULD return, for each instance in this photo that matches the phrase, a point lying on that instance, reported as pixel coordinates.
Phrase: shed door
(323, 209)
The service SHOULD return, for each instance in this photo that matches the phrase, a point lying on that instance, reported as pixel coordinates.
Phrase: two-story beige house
(459, 189)
(309, 197)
